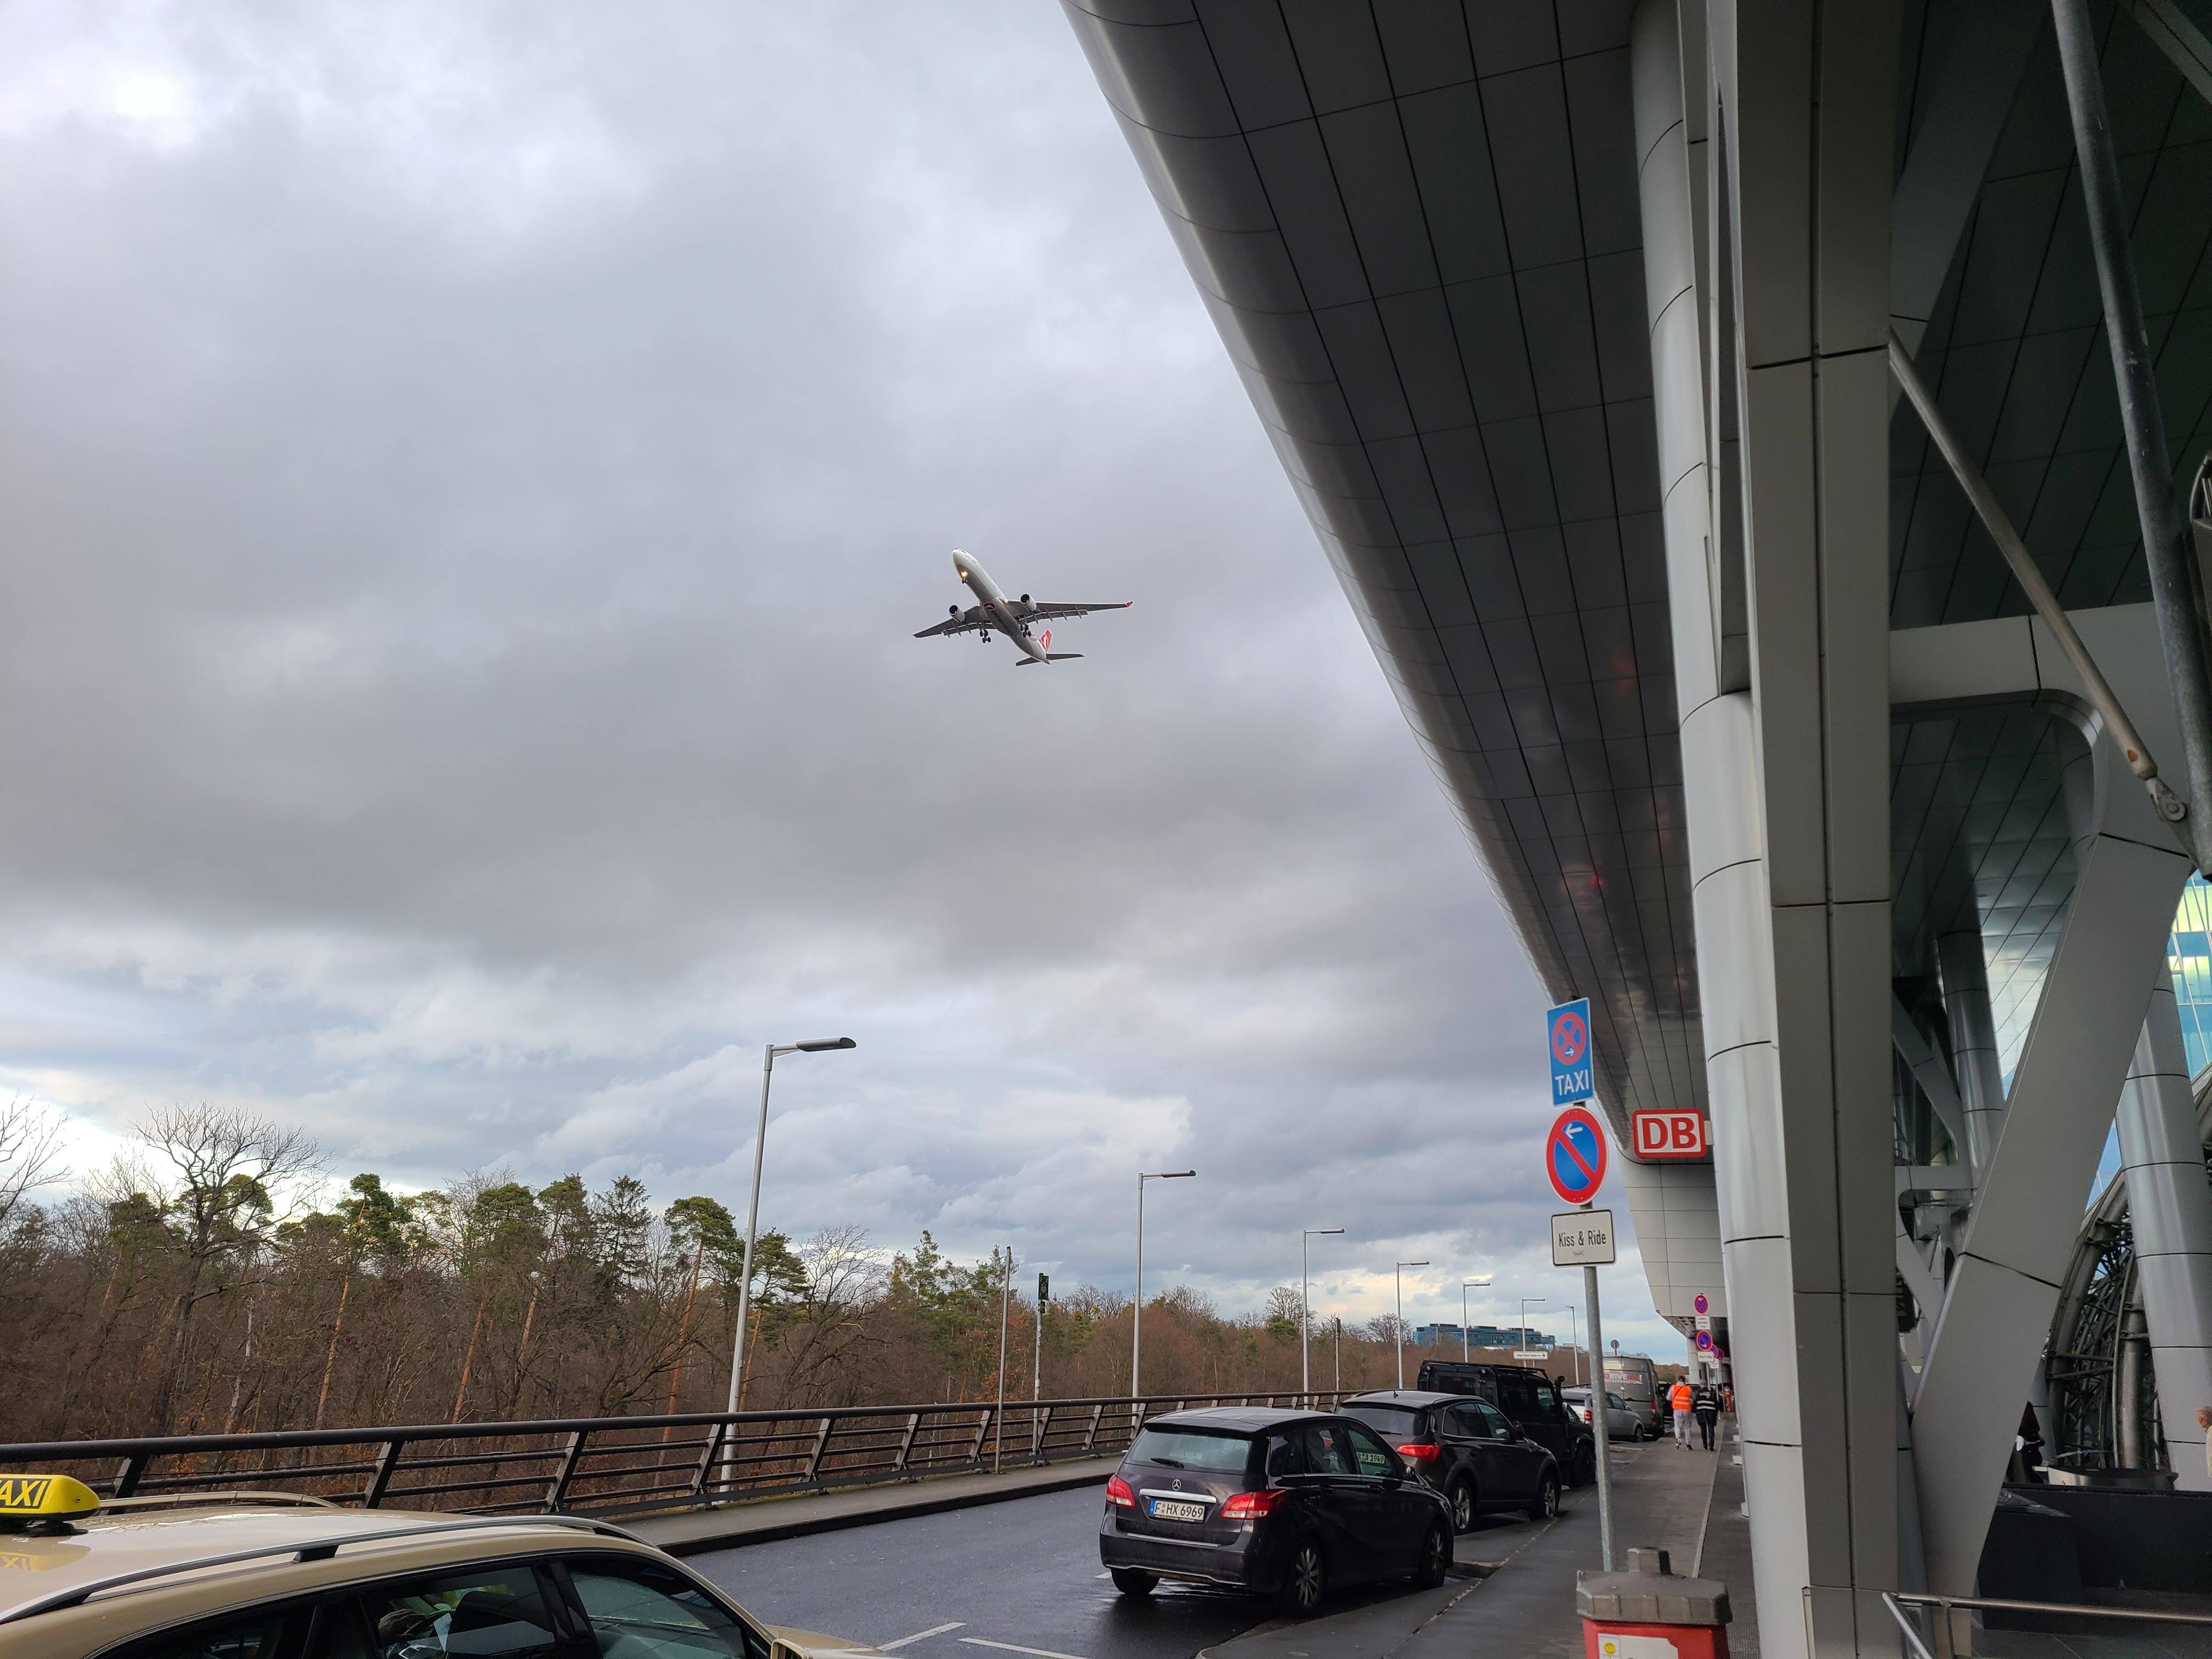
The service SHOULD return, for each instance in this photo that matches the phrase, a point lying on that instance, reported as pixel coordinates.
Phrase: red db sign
(1669, 1134)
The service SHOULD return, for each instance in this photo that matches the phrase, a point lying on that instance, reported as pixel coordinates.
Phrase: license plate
(1168, 1508)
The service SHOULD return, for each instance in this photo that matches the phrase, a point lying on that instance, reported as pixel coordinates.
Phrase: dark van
(1531, 1402)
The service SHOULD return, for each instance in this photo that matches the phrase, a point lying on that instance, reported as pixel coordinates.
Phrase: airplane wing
(954, 625)
(1048, 612)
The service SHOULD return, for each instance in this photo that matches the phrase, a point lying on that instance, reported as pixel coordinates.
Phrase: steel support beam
(2005, 1283)
(2169, 1204)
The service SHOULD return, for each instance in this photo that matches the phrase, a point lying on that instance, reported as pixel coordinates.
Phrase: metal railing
(617, 1465)
(1944, 1640)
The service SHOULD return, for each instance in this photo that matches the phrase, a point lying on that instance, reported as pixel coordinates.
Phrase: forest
(217, 1278)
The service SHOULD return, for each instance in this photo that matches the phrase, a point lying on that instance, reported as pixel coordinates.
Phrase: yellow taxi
(272, 1575)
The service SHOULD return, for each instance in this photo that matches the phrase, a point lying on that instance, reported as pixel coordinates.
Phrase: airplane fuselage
(1007, 616)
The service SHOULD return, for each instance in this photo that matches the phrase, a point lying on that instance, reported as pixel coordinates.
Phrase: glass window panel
(650, 1613)
(487, 1610)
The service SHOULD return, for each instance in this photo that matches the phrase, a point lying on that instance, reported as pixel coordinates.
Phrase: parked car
(1468, 1450)
(1289, 1504)
(1636, 1380)
(132, 1579)
(1531, 1400)
(1620, 1423)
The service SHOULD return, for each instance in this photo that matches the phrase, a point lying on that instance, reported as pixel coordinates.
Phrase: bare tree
(30, 1154)
(230, 1168)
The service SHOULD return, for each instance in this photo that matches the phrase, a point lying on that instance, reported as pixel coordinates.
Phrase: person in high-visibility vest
(1679, 1397)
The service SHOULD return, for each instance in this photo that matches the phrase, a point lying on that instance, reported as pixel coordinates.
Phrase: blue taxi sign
(1567, 1040)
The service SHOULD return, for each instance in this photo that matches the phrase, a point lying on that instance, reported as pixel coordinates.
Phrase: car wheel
(1305, 1581)
(1586, 1464)
(1433, 1566)
(1130, 1581)
(1547, 1505)
(1462, 1499)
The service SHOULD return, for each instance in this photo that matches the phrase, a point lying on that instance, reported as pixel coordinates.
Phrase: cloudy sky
(470, 473)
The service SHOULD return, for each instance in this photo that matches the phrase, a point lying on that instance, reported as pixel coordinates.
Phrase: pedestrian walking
(1679, 1397)
(1706, 1403)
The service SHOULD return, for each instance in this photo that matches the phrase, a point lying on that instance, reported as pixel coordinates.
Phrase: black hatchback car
(1288, 1504)
(1531, 1402)
(1467, 1449)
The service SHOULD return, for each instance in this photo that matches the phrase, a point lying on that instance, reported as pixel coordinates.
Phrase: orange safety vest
(1680, 1397)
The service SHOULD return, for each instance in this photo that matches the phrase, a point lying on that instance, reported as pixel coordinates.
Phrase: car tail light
(1117, 1491)
(1243, 1505)
(1421, 1453)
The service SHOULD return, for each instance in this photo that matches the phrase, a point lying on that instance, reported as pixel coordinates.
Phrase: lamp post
(1398, 1330)
(1136, 1308)
(1479, 1279)
(752, 1213)
(1572, 1342)
(1305, 1342)
(1525, 1301)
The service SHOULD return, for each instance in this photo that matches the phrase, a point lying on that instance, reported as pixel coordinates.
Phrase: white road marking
(1008, 1647)
(920, 1635)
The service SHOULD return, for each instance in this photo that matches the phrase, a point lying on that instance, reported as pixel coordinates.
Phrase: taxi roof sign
(34, 1497)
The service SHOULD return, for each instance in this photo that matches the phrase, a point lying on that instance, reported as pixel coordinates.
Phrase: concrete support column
(1973, 1040)
(2169, 1204)
(1807, 99)
(1770, 787)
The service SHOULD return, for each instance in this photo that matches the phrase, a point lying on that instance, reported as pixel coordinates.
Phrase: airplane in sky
(995, 613)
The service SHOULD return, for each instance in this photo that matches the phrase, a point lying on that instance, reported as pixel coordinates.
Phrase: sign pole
(1599, 1428)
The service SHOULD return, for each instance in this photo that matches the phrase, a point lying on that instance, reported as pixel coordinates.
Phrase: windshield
(1399, 1422)
(1191, 1448)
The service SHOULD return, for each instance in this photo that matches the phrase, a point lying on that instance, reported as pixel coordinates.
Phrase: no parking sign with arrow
(1574, 1156)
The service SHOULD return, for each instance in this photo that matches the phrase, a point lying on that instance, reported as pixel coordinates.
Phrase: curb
(748, 1530)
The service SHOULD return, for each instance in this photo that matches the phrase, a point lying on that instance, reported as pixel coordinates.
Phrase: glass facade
(2188, 953)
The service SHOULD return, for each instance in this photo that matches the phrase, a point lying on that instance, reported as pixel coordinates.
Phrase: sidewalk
(689, 1531)
(1523, 1604)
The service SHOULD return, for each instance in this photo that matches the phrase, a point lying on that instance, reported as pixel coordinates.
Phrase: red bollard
(1647, 1612)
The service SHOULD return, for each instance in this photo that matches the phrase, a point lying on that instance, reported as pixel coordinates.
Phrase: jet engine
(953, 610)
(1025, 598)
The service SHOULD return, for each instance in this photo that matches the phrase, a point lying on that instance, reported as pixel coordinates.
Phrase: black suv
(1283, 1502)
(1466, 1450)
(1531, 1400)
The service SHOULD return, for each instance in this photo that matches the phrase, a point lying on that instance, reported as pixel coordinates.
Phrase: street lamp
(1305, 1343)
(1525, 1301)
(1398, 1275)
(1136, 1308)
(1479, 1279)
(752, 1214)
(1573, 1342)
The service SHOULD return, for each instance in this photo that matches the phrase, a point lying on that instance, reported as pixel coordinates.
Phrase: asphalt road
(1020, 1577)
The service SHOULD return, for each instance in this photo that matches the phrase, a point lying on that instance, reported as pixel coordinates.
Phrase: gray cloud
(469, 479)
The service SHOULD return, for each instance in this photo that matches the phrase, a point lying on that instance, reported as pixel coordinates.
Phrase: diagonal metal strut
(2177, 585)
(2102, 697)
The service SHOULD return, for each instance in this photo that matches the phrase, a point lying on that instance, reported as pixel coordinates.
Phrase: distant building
(1481, 1336)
